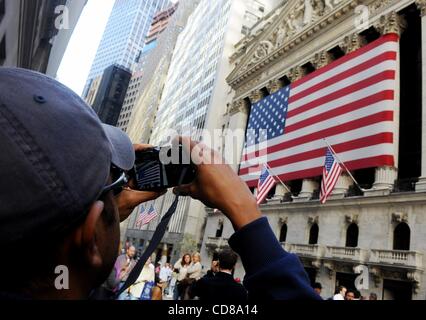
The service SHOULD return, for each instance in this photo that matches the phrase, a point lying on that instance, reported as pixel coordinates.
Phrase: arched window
(283, 233)
(352, 235)
(401, 237)
(313, 234)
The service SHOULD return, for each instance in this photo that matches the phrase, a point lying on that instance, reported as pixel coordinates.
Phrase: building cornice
(253, 69)
(275, 206)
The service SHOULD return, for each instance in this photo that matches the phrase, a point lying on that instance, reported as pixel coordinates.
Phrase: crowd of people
(342, 293)
(186, 280)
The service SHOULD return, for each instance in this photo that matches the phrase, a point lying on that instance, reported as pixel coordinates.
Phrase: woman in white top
(194, 274)
(181, 270)
(147, 275)
(194, 270)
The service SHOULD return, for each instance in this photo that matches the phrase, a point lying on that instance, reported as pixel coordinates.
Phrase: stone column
(255, 96)
(308, 185)
(421, 185)
(386, 176)
(238, 118)
(353, 43)
(342, 186)
(308, 188)
(322, 59)
(280, 191)
(274, 86)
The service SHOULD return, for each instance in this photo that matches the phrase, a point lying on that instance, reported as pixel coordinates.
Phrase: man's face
(350, 296)
(131, 252)
(318, 291)
(108, 236)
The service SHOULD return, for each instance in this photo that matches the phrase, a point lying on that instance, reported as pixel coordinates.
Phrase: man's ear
(85, 237)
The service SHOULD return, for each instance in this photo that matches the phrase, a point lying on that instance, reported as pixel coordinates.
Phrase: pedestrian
(222, 287)
(214, 267)
(165, 276)
(64, 190)
(340, 293)
(318, 288)
(350, 295)
(193, 274)
(181, 270)
(373, 296)
(158, 289)
(146, 276)
(123, 266)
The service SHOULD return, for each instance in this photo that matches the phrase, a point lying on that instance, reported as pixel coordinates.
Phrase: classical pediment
(297, 21)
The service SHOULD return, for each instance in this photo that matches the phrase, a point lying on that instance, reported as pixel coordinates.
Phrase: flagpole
(343, 164)
(284, 185)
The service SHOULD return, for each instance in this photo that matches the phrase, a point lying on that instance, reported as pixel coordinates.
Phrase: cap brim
(122, 151)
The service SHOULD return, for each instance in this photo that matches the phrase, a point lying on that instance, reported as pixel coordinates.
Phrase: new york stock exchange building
(350, 72)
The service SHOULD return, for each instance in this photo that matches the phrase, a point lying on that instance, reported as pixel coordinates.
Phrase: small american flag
(138, 223)
(147, 217)
(331, 174)
(265, 184)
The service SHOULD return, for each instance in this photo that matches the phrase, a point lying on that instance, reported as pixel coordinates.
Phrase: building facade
(159, 24)
(156, 68)
(381, 230)
(43, 50)
(111, 93)
(129, 101)
(124, 35)
(193, 99)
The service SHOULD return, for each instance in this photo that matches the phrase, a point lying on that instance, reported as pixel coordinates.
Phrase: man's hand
(218, 186)
(129, 198)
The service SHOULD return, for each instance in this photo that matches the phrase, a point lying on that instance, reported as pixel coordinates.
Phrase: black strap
(155, 241)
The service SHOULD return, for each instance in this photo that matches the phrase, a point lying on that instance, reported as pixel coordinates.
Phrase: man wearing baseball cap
(62, 175)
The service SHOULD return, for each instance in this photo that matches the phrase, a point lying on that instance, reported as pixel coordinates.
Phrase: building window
(401, 237)
(245, 30)
(313, 234)
(283, 233)
(352, 236)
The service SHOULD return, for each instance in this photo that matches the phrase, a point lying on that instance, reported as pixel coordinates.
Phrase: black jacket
(219, 288)
(271, 272)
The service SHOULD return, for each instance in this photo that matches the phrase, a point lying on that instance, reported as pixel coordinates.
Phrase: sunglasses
(120, 181)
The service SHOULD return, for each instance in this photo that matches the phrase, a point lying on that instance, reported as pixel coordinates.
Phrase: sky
(81, 51)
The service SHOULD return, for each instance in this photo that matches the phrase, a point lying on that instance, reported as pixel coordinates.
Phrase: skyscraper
(124, 35)
(159, 24)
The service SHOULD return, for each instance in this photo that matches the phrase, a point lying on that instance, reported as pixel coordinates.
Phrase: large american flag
(265, 184)
(350, 102)
(330, 175)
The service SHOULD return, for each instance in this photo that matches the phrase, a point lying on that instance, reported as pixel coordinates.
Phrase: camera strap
(155, 241)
